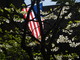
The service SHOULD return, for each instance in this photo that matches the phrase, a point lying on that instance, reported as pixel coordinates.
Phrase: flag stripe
(38, 28)
(32, 15)
(33, 25)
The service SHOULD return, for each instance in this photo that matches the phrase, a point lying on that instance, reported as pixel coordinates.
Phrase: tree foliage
(60, 40)
(64, 1)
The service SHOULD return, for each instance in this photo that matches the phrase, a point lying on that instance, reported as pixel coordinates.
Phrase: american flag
(33, 25)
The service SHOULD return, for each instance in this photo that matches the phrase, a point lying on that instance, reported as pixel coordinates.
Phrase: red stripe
(34, 26)
(38, 29)
(30, 23)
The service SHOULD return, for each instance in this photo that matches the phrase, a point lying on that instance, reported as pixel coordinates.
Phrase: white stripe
(24, 9)
(33, 14)
(30, 17)
(27, 9)
(37, 29)
(33, 28)
(29, 26)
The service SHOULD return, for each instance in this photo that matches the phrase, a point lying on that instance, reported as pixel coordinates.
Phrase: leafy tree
(64, 1)
(16, 3)
(60, 39)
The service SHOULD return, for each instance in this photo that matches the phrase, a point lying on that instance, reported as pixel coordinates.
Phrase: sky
(45, 3)
(78, 0)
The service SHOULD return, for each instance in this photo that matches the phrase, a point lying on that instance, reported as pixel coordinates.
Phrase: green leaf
(1, 10)
(0, 30)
